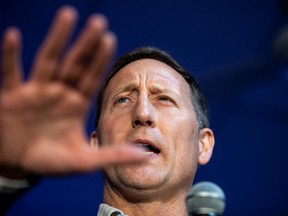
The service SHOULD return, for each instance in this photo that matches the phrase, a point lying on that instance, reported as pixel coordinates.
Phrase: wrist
(12, 172)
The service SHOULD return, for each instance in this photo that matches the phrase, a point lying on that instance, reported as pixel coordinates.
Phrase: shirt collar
(106, 210)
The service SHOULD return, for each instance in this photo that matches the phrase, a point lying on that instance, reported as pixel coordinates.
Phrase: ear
(206, 145)
(94, 142)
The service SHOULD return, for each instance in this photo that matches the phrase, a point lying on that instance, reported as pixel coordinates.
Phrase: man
(146, 92)
(151, 131)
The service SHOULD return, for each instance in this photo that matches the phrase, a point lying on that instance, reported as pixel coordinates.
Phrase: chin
(143, 184)
(139, 178)
(143, 179)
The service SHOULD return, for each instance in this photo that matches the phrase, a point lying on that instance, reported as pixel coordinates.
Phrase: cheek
(181, 128)
(187, 150)
(184, 135)
(112, 128)
(183, 151)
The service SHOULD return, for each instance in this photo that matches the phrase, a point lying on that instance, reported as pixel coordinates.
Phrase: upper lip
(147, 142)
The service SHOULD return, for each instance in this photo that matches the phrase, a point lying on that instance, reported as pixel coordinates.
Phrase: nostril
(137, 122)
(144, 123)
(149, 123)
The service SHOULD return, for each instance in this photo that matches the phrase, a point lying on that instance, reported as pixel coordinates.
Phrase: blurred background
(237, 49)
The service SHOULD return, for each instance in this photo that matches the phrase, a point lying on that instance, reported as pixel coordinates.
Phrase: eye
(121, 100)
(165, 99)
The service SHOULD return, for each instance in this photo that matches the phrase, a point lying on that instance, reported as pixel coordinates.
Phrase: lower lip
(151, 154)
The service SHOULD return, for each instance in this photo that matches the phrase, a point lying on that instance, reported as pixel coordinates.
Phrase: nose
(143, 113)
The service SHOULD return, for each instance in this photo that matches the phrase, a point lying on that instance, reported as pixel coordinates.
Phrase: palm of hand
(42, 120)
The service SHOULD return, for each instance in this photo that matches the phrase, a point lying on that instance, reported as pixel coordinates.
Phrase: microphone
(205, 199)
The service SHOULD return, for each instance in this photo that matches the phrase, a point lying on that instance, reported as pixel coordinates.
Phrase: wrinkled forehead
(151, 73)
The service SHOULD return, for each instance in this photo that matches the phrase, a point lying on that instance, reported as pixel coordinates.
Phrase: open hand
(42, 120)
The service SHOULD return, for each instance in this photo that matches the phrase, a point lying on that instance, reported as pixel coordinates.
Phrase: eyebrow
(159, 89)
(126, 88)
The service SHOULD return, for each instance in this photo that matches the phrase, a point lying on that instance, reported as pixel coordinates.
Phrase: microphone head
(205, 198)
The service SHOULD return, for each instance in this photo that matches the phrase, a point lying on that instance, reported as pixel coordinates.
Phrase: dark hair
(198, 99)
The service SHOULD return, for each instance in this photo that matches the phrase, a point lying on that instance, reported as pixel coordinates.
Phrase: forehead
(151, 72)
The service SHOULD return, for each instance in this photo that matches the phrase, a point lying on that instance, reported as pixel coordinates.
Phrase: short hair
(198, 99)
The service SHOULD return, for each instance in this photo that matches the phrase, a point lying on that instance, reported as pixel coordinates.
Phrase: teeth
(148, 153)
(149, 150)
(146, 147)
(141, 144)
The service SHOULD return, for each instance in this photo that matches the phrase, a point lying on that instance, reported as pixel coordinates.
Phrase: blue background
(228, 46)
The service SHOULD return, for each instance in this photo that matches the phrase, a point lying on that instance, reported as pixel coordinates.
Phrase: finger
(49, 53)
(89, 160)
(84, 159)
(102, 56)
(11, 62)
(81, 52)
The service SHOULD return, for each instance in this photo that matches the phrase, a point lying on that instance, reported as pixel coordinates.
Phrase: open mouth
(147, 147)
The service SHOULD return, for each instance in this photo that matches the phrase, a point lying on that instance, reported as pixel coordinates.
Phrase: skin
(42, 120)
(141, 102)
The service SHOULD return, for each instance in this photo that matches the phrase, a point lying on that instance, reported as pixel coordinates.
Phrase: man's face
(148, 104)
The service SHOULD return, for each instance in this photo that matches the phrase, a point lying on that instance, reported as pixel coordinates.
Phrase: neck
(140, 205)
